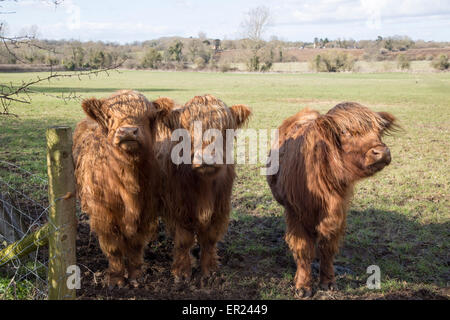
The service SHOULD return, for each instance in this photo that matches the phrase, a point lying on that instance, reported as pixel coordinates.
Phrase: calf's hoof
(180, 279)
(135, 274)
(135, 283)
(182, 270)
(208, 269)
(115, 281)
(303, 292)
(182, 275)
(208, 280)
(136, 280)
(331, 286)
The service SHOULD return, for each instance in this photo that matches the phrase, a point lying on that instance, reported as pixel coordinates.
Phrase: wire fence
(23, 210)
(38, 225)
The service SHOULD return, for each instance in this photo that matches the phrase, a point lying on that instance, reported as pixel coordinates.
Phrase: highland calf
(321, 157)
(117, 177)
(196, 195)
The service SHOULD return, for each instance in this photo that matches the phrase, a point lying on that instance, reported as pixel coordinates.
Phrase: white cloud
(293, 19)
(26, 3)
(74, 15)
(107, 31)
(122, 26)
(185, 3)
(332, 11)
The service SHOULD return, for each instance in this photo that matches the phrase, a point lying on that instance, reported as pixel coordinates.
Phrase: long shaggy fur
(196, 199)
(321, 157)
(115, 184)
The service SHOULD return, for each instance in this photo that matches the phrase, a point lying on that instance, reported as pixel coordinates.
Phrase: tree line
(200, 52)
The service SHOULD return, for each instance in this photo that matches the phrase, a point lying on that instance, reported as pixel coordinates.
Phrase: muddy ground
(241, 276)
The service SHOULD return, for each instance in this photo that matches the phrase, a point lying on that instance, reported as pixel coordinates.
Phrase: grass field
(398, 220)
(360, 66)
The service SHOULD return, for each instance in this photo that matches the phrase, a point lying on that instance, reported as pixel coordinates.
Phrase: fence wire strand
(23, 210)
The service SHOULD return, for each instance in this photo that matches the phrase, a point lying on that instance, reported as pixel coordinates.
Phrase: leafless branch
(22, 93)
(256, 22)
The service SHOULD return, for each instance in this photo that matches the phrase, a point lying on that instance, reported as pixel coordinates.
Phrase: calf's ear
(241, 114)
(389, 122)
(94, 109)
(166, 113)
(164, 105)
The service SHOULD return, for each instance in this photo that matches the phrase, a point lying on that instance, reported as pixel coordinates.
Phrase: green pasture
(398, 220)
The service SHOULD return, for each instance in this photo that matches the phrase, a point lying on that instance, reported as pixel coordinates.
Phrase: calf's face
(126, 118)
(233, 118)
(130, 134)
(367, 152)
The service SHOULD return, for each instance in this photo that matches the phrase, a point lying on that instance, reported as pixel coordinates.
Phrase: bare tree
(21, 93)
(256, 23)
(202, 35)
(254, 26)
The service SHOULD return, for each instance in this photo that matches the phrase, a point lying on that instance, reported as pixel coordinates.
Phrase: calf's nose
(382, 154)
(128, 131)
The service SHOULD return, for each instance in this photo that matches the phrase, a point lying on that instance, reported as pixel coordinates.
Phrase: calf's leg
(112, 247)
(184, 240)
(327, 250)
(208, 259)
(330, 231)
(135, 254)
(212, 232)
(301, 244)
(136, 246)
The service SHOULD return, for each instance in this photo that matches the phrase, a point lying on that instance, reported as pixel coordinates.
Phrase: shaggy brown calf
(117, 175)
(321, 157)
(196, 197)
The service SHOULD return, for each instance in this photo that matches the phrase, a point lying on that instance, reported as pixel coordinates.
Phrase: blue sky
(127, 21)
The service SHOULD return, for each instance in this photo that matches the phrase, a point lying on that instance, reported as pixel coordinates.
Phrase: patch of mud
(247, 271)
(158, 282)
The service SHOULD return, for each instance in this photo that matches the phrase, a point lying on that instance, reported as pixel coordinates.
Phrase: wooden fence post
(62, 213)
